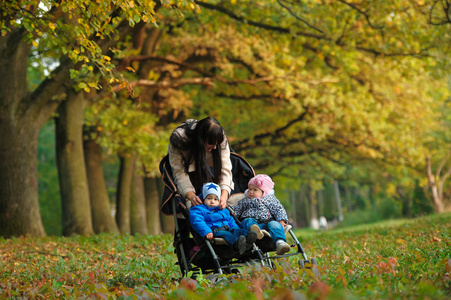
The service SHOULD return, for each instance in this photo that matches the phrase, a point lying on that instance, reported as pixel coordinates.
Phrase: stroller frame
(217, 258)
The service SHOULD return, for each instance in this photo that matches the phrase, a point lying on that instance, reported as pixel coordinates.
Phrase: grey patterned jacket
(262, 209)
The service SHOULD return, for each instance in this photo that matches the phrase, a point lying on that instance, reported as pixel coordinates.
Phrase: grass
(403, 259)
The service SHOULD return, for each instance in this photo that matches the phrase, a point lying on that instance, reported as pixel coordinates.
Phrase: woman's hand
(223, 200)
(191, 196)
(209, 236)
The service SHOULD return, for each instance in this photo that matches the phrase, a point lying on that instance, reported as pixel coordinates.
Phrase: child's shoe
(240, 245)
(251, 237)
(257, 230)
(282, 247)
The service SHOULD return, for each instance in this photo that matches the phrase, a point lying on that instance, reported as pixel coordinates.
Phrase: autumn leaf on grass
(447, 263)
(188, 283)
(387, 267)
(319, 290)
(436, 239)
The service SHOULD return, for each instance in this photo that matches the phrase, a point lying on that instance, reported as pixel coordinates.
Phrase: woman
(199, 153)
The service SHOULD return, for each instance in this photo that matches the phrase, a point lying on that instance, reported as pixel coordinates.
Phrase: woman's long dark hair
(196, 135)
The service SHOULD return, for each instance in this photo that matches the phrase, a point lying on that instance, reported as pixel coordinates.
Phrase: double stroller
(196, 254)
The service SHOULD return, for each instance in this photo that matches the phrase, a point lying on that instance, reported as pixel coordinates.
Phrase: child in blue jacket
(210, 221)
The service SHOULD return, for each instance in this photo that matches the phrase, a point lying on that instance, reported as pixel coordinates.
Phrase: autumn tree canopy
(302, 88)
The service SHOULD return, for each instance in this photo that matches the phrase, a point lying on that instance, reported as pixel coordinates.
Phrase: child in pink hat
(260, 209)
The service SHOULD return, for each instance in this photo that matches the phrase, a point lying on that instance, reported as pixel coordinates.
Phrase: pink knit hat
(263, 182)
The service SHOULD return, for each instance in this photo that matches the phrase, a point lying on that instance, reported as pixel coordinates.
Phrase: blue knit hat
(210, 188)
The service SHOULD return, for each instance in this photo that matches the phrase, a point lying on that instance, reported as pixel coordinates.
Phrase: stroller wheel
(301, 264)
(310, 268)
(216, 278)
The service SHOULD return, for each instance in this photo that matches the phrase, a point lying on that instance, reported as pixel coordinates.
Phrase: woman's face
(209, 147)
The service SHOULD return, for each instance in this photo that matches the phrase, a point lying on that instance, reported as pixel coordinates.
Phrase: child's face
(254, 192)
(211, 200)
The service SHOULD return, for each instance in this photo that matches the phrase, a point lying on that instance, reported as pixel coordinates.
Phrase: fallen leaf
(436, 239)
(188, 283)
(448, 266)
(319, 290)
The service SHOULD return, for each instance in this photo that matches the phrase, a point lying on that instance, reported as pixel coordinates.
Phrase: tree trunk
(19, 206)
(152, 205)
(338, 200)
(320, 197)
(167, 222)
(347, 205)
(138, 216)
(22, 116)
(303, 198)
(71, 167)
(314, 223)
(371, 195)
(102, 219)
(434, 187)
(123, 193)
(406, 200)
(293, 207)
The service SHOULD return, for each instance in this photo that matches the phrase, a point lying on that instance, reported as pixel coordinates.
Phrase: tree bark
(74, 189)
(406, 200)
(338, 200)
(313, 208)
(293, 207)
(320, 197)
(152, 205)
(123, 193)
(138, 216)
(19, 206)
(348, 205)
(167, 222)
(22, 116)
(102, 219)
(434, 187)
(303, 198)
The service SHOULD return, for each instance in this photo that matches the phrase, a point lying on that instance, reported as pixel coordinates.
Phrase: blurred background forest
(344, 103)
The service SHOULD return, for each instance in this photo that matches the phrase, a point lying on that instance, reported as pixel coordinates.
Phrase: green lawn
(402, 259)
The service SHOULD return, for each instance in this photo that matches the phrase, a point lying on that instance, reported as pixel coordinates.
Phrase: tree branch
(234, 16)
(150, 83)
(364, 13)
(441, 165)
(165, 84)
(299, 18)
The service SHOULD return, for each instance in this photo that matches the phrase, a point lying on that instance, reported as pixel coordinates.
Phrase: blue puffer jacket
(204, 218)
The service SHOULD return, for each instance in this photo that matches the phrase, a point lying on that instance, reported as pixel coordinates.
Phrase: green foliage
(360, 86)
(404, 259)
(421, 203)
(388, 209)
(120, 127)
(385, 209)
(77, 34)
(366, 86)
